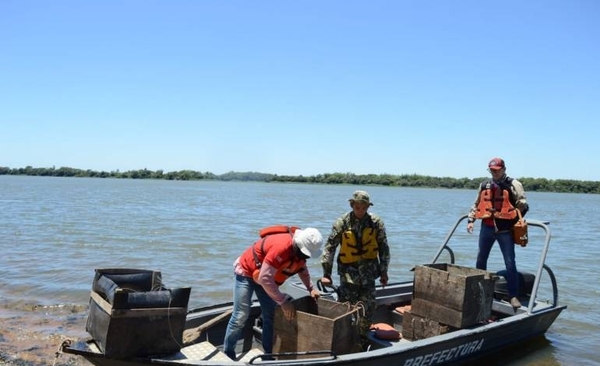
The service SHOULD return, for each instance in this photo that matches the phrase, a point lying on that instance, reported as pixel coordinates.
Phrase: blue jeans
(243, 289)
(487, 236)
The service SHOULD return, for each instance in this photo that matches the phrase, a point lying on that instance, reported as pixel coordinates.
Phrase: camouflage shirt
(365, 271)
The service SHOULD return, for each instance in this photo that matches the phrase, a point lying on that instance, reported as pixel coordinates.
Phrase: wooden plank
(437, 312)
(461, 288)
(435, 285)
(415, 327)
(190, 336)
(103, 304)
(329, 326)
(449, 316)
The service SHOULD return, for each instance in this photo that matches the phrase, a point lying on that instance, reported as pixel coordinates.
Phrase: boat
(503, 326)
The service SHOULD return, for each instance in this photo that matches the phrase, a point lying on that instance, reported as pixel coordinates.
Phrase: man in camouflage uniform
(363, 257)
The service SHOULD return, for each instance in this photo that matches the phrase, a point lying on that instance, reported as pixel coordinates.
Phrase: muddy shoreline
(32, 335)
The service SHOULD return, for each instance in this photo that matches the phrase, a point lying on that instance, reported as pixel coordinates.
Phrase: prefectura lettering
(445, 355)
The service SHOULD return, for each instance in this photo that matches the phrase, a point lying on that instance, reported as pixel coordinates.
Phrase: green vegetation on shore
(404, 180)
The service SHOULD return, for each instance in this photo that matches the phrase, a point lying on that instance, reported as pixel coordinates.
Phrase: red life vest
(288, 269)
(276, 244)
(494, 202)
(277, 229)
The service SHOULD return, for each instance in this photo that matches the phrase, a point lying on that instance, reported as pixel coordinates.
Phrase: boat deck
(443, 335)
(393, 316)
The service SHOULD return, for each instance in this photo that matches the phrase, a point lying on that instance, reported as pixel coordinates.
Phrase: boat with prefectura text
(447, 314)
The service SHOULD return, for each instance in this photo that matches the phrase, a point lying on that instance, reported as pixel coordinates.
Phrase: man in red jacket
(261, 269)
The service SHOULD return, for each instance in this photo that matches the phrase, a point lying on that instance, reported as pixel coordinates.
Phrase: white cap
(309, 241)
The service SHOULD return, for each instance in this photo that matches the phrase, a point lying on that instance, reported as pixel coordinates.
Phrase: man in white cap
(281, 252)
(363, 257)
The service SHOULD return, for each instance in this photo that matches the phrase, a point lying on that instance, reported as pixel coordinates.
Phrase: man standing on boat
(280, 253)
(363, 257)
(496, 204)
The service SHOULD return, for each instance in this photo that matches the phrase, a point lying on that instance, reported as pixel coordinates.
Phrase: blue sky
(302, 87)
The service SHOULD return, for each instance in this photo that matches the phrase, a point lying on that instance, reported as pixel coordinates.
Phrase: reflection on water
(55, 231)
(539, 351)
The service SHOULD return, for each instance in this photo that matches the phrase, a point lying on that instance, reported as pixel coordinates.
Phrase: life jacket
(277, 229)
(272, 238)
(351, 251)
(495, 201)
(287, 270)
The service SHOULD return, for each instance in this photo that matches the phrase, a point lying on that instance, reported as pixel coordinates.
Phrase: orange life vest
(291, 264)
(277, 229)
(494, 202)
(288, 269)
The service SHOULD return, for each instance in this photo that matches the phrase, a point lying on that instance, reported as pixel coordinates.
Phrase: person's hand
(289, 310)
(315, 294)
(384, 278)
(470, 227)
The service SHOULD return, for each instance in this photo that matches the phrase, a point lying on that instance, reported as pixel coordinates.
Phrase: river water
(55, 231)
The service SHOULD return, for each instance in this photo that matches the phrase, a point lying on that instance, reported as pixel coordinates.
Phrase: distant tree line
(404, 180)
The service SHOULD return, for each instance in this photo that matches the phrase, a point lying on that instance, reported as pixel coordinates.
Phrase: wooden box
(415, 327)
(132, 314)
(323, 325)
(453, 295)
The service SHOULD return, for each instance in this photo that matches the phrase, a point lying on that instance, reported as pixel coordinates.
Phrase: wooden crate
(453, 295)
(415, 327)
(319, 325)
(132, 314)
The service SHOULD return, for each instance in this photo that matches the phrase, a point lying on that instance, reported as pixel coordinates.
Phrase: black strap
(262, 250)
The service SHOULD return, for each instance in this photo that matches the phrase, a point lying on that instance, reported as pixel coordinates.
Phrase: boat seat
(202, 351)
(526, 281)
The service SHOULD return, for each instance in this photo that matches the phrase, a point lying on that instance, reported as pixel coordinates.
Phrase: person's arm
(305, 278)
(472, 211)
(266, 279)
(330, 247)
(384, 252)
(520, 199)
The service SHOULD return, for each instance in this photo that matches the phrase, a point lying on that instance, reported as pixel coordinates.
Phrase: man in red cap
(497, 201)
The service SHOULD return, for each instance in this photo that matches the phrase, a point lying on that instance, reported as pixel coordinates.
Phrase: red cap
(496, 164)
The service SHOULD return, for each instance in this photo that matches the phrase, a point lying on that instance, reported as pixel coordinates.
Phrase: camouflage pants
(363, 294)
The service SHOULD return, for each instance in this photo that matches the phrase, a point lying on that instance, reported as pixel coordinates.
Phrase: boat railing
(541, 266)
(391, 293)
(328, 355)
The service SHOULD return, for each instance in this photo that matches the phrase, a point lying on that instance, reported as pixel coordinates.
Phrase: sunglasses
(299, 253)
